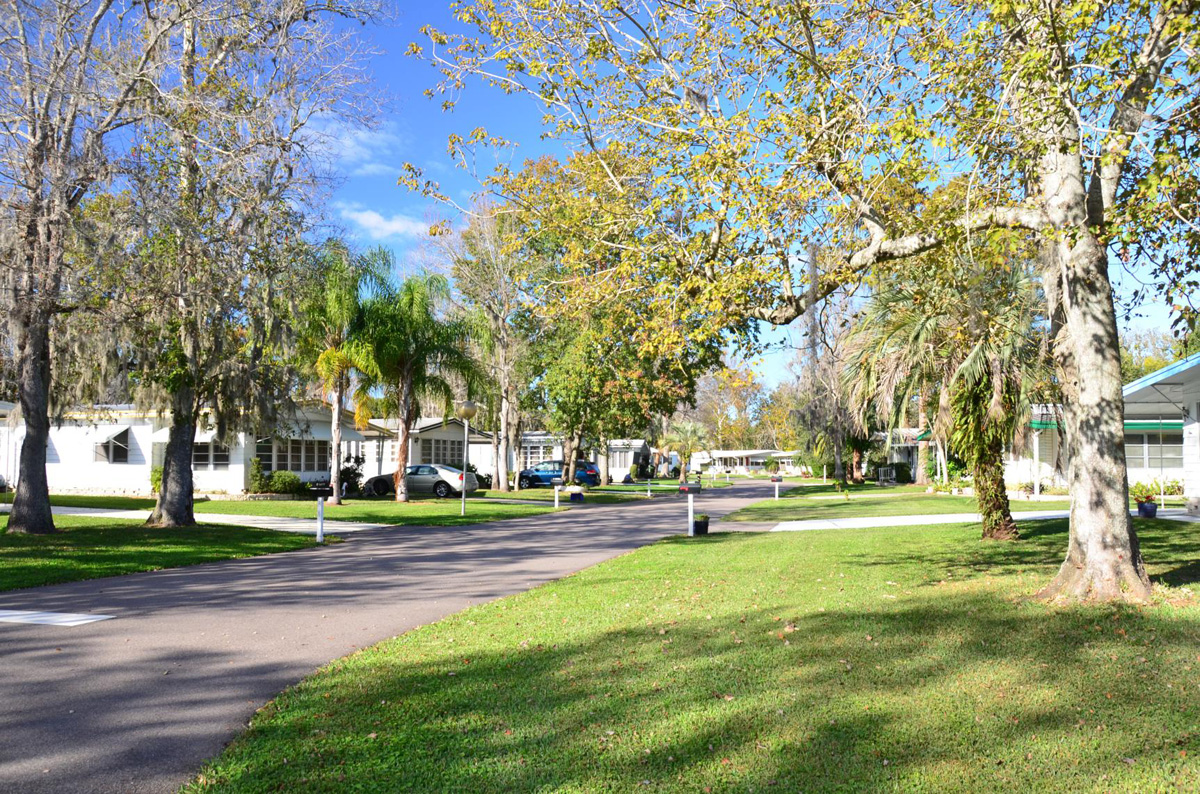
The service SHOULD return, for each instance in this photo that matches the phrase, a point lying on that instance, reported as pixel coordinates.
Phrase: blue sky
(372, 209)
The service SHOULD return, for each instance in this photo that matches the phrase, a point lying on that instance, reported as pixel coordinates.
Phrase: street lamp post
(465, 410)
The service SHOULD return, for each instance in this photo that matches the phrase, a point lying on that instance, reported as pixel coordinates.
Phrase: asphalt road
(139, 702)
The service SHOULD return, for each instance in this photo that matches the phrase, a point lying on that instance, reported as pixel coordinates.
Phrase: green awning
(924, 435)
(1044, 424)
(1160, 425)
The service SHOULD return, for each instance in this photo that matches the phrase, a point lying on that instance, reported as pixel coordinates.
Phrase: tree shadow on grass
(957, 692)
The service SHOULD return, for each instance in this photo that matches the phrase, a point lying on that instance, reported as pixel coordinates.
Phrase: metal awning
(102, 435)
(319, 432)
(1160, 425)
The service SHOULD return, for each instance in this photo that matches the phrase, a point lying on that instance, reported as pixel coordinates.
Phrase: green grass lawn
(428, 512)
(809, 502)
(105, 502)
(88, 548)
(595, 495)
(883, 660)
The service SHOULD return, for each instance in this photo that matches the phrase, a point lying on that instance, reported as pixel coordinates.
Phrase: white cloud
(380, 227)
(376, 169)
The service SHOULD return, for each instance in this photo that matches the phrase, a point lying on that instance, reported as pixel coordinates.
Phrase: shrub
(903, 472)
(156, 479)
(286, 482)
(1169, 488)
(351, 473)
(771, 465)
(257, 482)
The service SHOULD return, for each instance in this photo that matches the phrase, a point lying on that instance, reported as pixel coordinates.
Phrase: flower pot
(1147, 509)
(700, 526)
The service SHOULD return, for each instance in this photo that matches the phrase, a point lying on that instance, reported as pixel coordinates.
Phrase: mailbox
(689, 487)
(556, 481)
(321, 492)
(776, 478)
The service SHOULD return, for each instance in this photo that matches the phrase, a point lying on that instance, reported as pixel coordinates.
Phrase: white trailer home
(112, 450)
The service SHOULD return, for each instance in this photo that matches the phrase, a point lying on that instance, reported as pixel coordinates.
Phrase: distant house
(432, 440)
(1162, 433)
(112, 450)
(734, 461)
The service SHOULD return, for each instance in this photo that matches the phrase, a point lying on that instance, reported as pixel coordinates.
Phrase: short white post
(777, 492)
(691, 515)
(556, 495)
(648, 494)
(1037, 464)
(824, 473)
(320, 520)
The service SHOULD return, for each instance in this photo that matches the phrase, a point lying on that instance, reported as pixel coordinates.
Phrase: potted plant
(700, 524)
(1143, 494)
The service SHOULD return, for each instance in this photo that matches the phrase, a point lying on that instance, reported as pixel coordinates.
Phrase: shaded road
(137, 703)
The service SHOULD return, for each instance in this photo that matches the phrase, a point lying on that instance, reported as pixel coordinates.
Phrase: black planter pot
(1147, 509)
(700, 526)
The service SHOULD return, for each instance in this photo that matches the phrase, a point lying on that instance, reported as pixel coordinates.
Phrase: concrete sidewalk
(874, 522)
(136, 703)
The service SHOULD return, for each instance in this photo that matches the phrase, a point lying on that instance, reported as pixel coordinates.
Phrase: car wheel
(526, 483)
(442, 490)
(380, 487)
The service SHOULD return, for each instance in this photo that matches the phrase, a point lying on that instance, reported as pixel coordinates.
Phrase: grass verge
(432, 512)
(821, 661)
(89, 548)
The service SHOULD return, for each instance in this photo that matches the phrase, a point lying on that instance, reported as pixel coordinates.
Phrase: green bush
(258, 482)
(286, 482)
(156, 479)
(771, 465)
(903, 472)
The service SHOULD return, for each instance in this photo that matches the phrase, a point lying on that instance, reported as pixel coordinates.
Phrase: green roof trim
(1044, 424)
(924, 435)
(1153, 424)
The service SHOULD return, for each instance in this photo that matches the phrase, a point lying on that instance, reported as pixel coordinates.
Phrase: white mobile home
(113, 449)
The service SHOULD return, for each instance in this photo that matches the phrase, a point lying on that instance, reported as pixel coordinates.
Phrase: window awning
(163, 435)
(102, 435)
(1160, 425)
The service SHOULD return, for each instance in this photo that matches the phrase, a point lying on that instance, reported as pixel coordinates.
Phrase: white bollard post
(320, 520)
(648, 494)
(691, 515)
(776, 492)
(824, 473)
(556, 496)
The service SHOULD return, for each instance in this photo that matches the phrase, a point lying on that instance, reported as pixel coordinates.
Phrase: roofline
(1158, 376)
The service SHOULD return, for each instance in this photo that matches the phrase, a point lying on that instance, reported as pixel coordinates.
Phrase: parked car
(541, 474)
(441, 481)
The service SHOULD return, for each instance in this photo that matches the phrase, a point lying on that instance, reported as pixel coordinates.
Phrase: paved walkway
(930, 520)
(137, 702)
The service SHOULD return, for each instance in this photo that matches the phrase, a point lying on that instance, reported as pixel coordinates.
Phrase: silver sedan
(441, 481)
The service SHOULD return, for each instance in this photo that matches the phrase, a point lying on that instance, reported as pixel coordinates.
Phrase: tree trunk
(403, 431)
(501, 453)
(603, 463)
(514, 443)
(31, 512)
(921, 475)
(335, 442)
(856, 466)
(1104, 560)
(175, 505)
(988, 474)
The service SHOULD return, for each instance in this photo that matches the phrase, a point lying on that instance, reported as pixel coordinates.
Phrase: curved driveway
(137, 703)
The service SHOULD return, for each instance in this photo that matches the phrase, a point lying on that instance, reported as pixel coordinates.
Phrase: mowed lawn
(89, 548)
(820, 501)
(878, 660)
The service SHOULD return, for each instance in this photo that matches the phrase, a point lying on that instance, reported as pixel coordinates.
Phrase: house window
(533, 454)
(1135, 450)
(323, 455)
(264, 448)
(441, 451)
(1166, 451)
(220, 456)
(200, 456)
(296, 455)
(115, 450)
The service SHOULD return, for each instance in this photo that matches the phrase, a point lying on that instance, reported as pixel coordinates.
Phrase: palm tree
(407, 352)
(330, 315)
(978, 343)
(685, 439)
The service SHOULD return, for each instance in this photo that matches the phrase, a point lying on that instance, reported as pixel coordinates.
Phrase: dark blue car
(541, 474)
